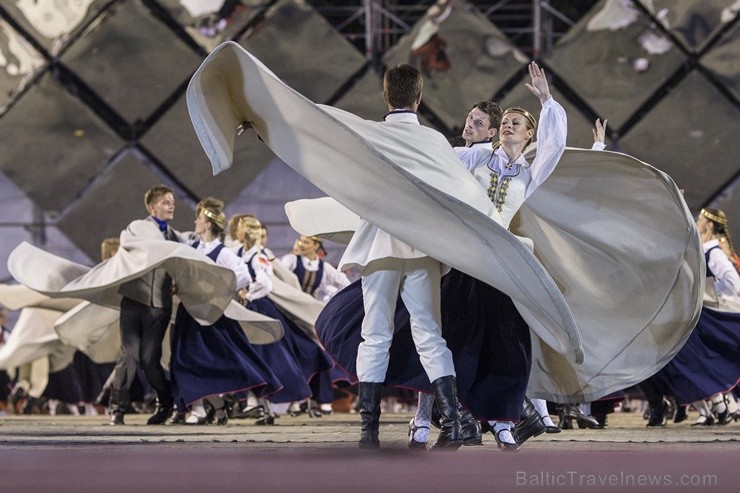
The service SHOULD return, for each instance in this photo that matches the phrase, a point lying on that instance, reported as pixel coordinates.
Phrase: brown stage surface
(302, 454)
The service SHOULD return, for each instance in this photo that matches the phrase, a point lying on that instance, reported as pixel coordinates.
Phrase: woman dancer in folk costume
(707, 369)
(207, 362)
(297, 358)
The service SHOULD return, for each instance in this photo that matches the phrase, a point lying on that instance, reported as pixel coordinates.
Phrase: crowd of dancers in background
(215, 374)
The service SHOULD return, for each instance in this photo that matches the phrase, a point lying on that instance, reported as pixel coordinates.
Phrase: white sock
(251, 400)
(703, 407)
(586, 408)
(197, 409)
(423, 417)
(502, 429)
(540, 405)
(265, 405)
(731, 402)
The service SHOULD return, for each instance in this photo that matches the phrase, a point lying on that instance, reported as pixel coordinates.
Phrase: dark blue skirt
(489, 341)
(708, 363)
(216, 359)
(296, 359)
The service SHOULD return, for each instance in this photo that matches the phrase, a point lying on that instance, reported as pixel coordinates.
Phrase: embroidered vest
(310, 280)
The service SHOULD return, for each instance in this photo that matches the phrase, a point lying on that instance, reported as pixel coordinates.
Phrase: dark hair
(402, 85)
(493, 110)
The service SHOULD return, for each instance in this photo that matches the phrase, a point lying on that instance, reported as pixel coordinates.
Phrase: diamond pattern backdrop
(92, 109)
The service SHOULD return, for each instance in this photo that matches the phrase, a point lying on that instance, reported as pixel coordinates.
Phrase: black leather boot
(445, 397)
(531, 424)
(471, 430)
(369, 404)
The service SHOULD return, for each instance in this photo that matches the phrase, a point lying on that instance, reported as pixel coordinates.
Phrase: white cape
(631, 323)
(205, 288)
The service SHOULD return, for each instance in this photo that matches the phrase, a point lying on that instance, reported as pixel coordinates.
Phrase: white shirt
(726, 278)
(514, 185)
(332, 281)
(262, 283)
(371, 243)
(227, 258)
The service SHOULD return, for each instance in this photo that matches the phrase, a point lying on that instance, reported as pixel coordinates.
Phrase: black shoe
(658, 416)
(588, 422)
(573, 411)
(601, 419)
(160, 416)
(552, 429)
(116, 418)
(266, 420)
(680, 414)
(413, 444)
(656, 420)
(504, 446)
(704, 421)
(177, 418)
(15, 398)
(255, 412)
(221, 417)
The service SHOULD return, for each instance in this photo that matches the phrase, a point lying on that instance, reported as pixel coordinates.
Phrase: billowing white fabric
(204, 288)
(33, 337)
(397, 176)
(618, 238)
(93, 329)
(38, 340)
(17, 296)
(319, 214)
(612, 235)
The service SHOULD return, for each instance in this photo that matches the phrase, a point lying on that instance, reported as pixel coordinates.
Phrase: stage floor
(303, 454)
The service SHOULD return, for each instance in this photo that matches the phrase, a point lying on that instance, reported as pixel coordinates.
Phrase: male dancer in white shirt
(390, 267)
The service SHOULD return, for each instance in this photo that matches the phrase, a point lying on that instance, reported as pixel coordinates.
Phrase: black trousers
(142, 332)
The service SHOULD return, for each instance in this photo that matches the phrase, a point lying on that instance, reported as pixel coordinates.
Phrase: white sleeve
(289, 261)
(551, 133)
(474, 157)
(727, 278)
(334, 277)
(598, 146)
(262, 284)
(227, 258)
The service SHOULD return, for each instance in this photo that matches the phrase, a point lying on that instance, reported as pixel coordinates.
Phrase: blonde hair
(234, 224)
(109, 247)
(213, 210)
(252, 230)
